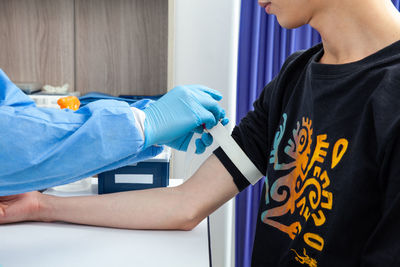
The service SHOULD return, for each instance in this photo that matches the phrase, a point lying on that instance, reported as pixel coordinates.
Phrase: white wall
(204, 51)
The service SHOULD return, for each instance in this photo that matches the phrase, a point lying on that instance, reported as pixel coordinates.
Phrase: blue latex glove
(174, 118)
(206, 139)
(45, 147)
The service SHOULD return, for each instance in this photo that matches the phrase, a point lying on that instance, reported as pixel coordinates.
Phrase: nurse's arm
(181, 207)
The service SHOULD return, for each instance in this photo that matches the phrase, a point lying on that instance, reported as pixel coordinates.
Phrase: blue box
(146, 174)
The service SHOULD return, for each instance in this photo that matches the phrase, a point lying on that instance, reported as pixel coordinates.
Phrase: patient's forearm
(181, 207)
(160, 208)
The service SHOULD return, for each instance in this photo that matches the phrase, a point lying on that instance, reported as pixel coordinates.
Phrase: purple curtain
(263, 47)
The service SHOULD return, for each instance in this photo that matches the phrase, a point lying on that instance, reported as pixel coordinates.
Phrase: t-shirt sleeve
(383, 245)
(252, 136)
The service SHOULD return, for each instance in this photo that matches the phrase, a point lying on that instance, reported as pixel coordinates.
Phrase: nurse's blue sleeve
(43, 147)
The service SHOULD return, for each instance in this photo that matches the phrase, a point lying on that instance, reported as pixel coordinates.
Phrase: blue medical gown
(45, 147)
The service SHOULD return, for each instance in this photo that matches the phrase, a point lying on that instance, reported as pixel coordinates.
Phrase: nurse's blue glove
(174, 118)
(206, 139)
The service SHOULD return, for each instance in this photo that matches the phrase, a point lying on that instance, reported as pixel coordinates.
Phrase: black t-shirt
(326, 136)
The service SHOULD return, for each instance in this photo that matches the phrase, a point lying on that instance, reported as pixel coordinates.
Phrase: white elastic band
(140, 116)
(235, 153)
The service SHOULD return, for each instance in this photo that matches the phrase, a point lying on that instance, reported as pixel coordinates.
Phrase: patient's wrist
(46, 208)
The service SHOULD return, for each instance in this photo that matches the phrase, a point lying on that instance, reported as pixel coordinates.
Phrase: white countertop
(32, 244)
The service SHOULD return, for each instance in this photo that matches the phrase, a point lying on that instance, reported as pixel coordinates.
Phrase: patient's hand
(22, 207)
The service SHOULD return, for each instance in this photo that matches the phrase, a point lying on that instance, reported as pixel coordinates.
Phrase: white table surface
(32, 244)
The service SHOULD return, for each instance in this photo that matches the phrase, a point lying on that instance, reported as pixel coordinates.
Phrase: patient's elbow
(189, 225)
(191, 212)
(190, 219)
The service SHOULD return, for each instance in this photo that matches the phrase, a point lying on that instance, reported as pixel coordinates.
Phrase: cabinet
(37, 40)
(111, 46)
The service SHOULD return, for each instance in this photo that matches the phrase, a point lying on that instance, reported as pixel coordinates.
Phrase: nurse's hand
(22, 207)
(201, 143)
(174, 118)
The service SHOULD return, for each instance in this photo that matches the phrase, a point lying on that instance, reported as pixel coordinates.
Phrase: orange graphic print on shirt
(301, 191)
(305, 259)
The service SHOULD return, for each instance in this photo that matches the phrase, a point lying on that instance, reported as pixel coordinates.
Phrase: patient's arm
(181, 207)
